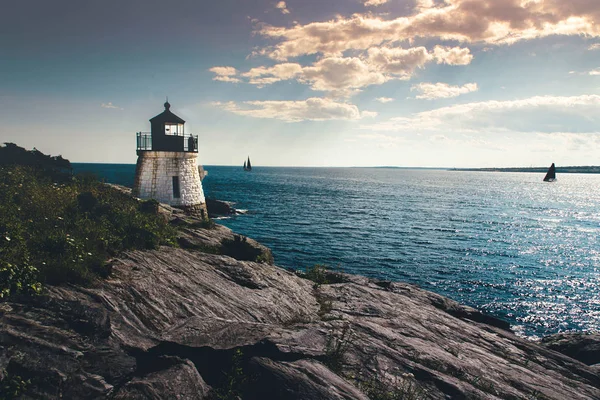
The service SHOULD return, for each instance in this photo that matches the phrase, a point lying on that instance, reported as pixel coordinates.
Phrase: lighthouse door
(176, 191)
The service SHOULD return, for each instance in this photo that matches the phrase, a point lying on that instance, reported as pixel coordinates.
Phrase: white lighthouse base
(154, 179)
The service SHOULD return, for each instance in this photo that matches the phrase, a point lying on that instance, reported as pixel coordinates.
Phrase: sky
(423, 83)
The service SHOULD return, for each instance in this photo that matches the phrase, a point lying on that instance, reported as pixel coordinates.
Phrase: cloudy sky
(454, 83)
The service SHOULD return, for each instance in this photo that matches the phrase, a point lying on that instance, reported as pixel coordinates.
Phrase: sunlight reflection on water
(524, 250)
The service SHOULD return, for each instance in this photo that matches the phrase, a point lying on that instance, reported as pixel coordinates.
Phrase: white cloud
(374, 3)
(595, 46)
(431, 91)
(262, 76)
(402, 63)
(548, 114)
(452, 55)
(312, 109)
(384, 99)
(281, 6)
(110, 105)
(344, 76)
(421, 5)
(482, 21)
(225, 74)
(338, 75)
(594, 72)
(399, 62)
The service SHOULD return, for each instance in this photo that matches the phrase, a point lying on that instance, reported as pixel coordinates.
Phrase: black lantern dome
(167, 134)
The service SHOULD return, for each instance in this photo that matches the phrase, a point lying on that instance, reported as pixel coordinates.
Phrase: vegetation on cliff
(56, 228)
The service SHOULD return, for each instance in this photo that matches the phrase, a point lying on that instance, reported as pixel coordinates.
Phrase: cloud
(374, 3)
(312, 109)
(421, 5)
(595, 46)
(338, 75)
(544, 114)
(344, 76)
(399, 62)
(452, 55)
(281, 6)
(431, 91)
(384, 99)
(225, 74)
(262, 76)
(110, 105)
(594, 72)
(482, 21)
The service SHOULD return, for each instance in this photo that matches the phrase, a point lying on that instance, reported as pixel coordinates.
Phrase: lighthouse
(167, 168)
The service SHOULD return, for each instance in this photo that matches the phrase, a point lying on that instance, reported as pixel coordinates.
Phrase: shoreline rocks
(219, 208)
(195, 323)
(584, 347)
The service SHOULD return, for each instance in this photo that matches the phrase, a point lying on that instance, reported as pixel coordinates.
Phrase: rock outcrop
(185, 323)
(584, 347)
(218, 208)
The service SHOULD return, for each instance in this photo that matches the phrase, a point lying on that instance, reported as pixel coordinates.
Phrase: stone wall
(154, 179)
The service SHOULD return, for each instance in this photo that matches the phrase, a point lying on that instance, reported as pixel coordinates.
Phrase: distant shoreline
(563, 170)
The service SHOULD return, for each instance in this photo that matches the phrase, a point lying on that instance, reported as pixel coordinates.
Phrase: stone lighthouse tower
(166, 168)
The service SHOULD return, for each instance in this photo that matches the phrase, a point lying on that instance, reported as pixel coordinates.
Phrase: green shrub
(16, 279)
(234, 380)
(338, 343)
(205, 223)
(317, 273)
(12, 386)
(321, 275)
(63, 230)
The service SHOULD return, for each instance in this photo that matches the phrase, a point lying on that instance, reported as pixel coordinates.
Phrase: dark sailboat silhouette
(247, 165)
(551, 174)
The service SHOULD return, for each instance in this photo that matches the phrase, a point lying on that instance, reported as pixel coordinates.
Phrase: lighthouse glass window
(174, 129)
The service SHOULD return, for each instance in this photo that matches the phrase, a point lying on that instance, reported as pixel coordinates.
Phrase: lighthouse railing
(144, 141)
(190, 143)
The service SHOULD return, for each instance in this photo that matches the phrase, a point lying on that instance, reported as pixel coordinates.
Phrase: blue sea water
(506, 243)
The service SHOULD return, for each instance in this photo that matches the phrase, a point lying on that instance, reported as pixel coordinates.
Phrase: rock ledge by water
(195, 323)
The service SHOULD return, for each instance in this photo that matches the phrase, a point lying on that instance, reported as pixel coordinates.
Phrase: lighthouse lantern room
(167, 168)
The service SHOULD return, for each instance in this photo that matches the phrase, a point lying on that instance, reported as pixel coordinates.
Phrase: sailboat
(551, 174)
(247, 165)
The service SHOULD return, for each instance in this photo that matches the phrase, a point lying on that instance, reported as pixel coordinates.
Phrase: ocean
(505, 243)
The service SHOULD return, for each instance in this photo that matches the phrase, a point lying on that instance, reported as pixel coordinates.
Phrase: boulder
(584, 347)
(218, 208)
(179, 381)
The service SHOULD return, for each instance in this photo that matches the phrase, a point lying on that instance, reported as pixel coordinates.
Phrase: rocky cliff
(196, 323)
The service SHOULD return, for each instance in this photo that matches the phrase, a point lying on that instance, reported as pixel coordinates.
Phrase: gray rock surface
(180, 381)
(184, 323)
(584, 347)
(219, 208)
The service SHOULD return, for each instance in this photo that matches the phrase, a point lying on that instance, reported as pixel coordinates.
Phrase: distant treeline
(11, 154)
(559, 170)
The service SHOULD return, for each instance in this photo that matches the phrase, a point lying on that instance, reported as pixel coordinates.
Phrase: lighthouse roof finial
(167, 116)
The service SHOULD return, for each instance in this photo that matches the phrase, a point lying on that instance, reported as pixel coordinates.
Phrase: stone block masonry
(154, 179)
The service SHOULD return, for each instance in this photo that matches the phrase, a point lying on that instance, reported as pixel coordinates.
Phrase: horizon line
(364, 166)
